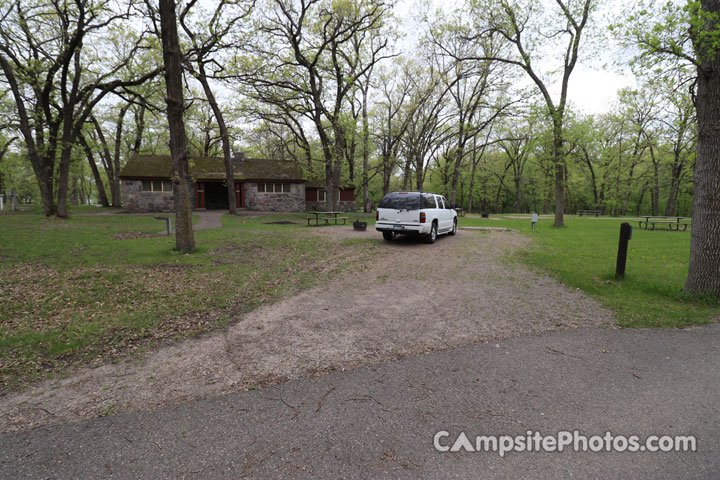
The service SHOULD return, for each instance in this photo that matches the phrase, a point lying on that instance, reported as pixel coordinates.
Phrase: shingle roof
(159, 166)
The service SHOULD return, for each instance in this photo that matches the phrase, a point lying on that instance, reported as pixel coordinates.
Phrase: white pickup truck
(415, 213)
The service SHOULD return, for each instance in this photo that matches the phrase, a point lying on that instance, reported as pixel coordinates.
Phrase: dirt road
(416, 298)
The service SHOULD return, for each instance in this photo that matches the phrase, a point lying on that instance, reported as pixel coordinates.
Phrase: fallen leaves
(53, 317)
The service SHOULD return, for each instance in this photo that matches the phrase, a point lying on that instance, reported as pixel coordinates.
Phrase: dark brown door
(200, 195)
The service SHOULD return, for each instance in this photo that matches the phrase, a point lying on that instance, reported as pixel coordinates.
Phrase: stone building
(260, 184)
(315, 196)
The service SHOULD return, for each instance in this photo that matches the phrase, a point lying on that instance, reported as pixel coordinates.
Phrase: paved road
(379, 422)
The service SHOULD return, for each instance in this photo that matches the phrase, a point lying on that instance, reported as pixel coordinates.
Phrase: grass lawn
(583, 255)
(92, 287)
(34, 209)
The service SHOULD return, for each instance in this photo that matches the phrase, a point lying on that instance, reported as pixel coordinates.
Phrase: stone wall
(275, 202)
(135, 200)
(341, 206)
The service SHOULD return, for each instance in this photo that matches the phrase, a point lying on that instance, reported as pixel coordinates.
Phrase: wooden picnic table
(597, 213)
(671, 222)
(326, 217)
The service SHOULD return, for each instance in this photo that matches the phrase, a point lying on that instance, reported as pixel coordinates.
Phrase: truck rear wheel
(432, 236)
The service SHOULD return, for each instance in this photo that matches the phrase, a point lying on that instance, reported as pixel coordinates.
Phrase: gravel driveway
(414, 299)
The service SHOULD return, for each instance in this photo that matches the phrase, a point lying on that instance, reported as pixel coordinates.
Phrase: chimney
(238, 157)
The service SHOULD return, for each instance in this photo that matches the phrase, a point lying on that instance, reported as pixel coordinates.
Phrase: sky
(594, 90)
(593, 85)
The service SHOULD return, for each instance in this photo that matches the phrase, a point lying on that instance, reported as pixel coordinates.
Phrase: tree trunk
(623, 210)
(703, 277)
(365, 153)
(407, 175)
(84, 187)
(140, 127)
(102, 195)
(46, 181)
(548, 189)
(642, 196)
(3, 151)
(2, 154)
(559, 175)
(108, 161)
(333, 169)
(592, 178)
(351, 161)
(115, 188)
(568, 206)
(184, 239)
(41, 159)
(387, 172)
(337, 171)
(500, 189)
(75, 193)
(350, 153)
(420, 173)
(329, 187)
(498, 194)
(472, 179)
(628, 190)
(63, 182)
(656, 186)
(671, 205)
(458, 161)
(421, 180)
(227, 157)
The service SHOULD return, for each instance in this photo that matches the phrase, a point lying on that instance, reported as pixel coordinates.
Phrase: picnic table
(589, 212)
(326, 217)
(671, 222)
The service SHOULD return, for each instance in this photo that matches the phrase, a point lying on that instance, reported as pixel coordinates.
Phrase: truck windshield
(403, 201)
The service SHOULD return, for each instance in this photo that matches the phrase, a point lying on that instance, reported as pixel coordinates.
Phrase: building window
(321, 196)
(156, 186)
(273, 187)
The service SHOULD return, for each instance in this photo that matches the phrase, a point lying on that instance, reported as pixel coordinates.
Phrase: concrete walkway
(209, 219)
(379, 422)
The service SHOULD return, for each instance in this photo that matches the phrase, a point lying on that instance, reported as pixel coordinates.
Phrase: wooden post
(625, 236)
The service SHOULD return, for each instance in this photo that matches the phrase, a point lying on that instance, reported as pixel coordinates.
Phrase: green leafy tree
(408, 117)
(475, 89)
(307, 54)
(526, 28)
(674, 35)
(57, 60)
(210, 34)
